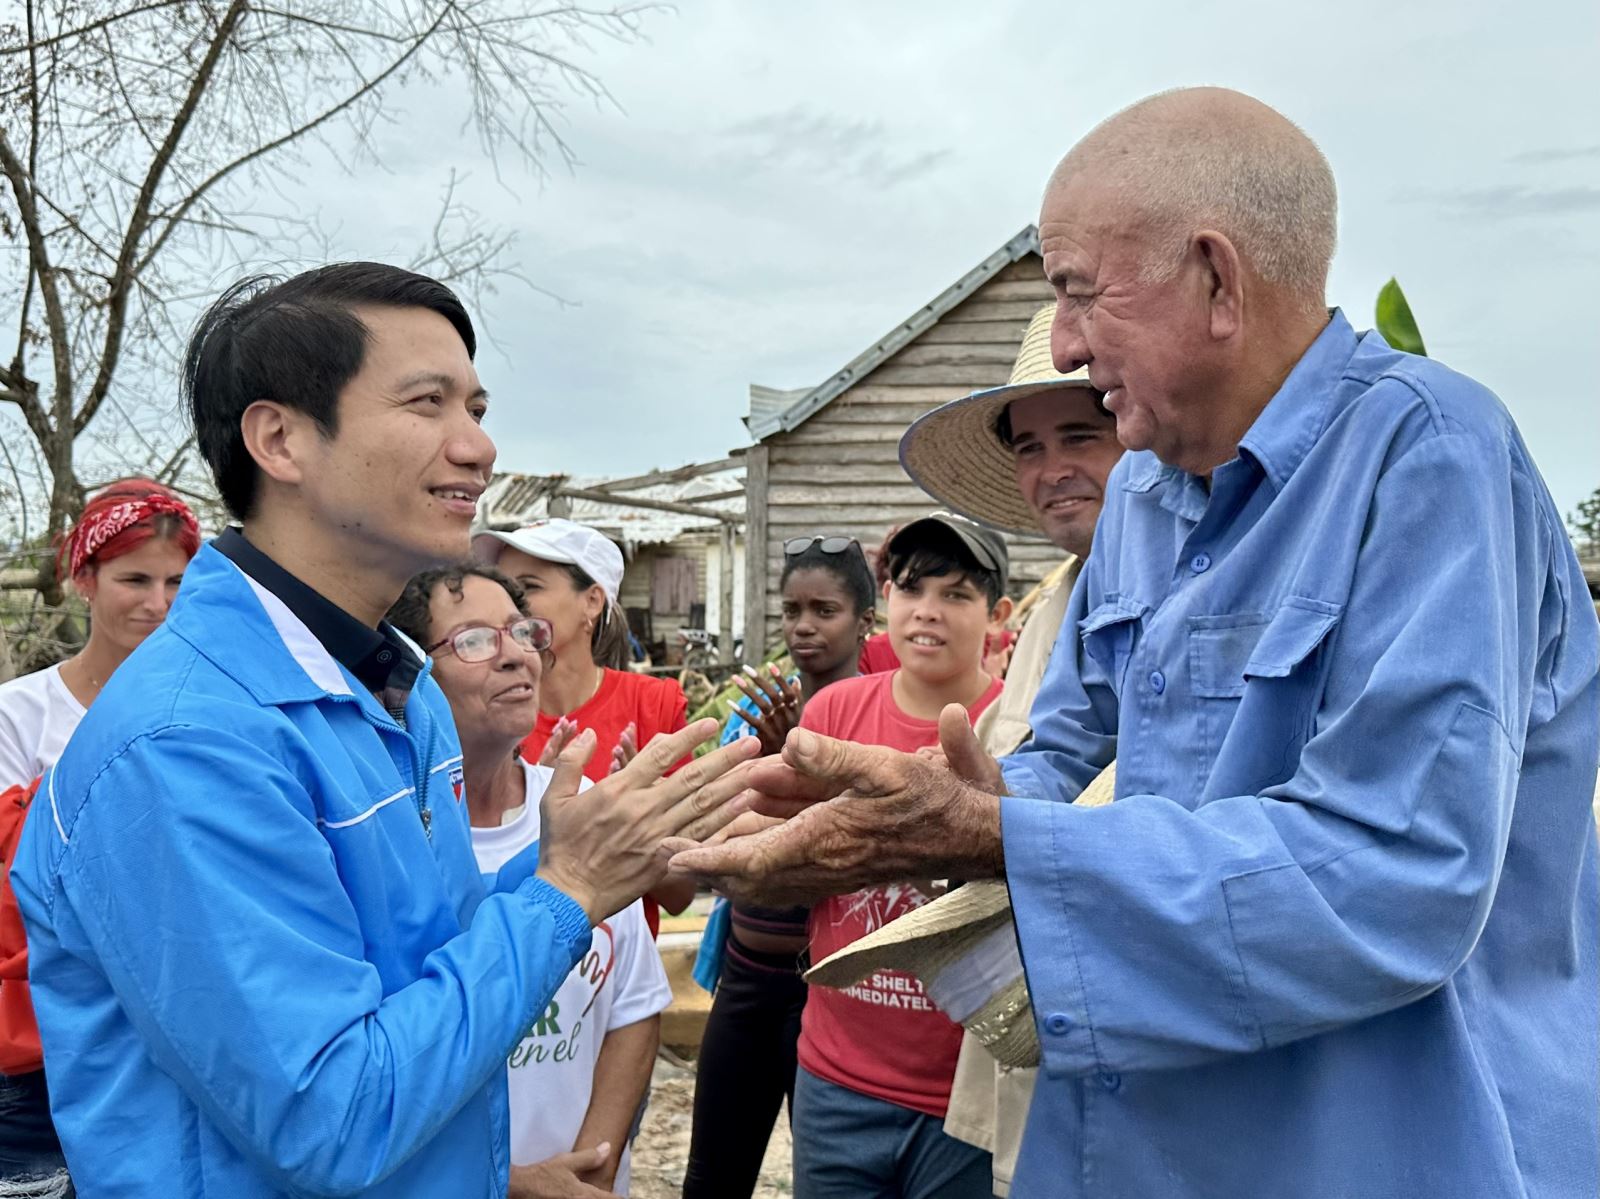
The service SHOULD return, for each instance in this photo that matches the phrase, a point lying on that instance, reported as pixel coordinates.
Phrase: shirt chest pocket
(1269, 666)
(1109, 633)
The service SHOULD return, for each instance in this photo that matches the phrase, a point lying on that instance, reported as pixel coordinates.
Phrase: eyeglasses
(480, 643)
(828, 545)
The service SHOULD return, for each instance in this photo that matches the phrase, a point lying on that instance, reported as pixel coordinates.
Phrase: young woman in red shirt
(571, 575)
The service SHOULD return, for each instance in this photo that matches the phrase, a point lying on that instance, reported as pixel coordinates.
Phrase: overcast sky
(783, 183)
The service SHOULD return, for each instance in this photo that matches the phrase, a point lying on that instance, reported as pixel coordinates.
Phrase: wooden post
(725, 633)
(755, 553)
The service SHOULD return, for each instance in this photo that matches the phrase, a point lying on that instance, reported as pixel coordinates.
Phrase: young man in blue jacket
(264, 962)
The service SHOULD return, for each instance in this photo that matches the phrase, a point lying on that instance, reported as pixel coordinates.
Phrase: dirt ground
(662, 1149)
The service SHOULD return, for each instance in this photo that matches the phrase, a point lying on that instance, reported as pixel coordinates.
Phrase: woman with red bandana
(125, 556)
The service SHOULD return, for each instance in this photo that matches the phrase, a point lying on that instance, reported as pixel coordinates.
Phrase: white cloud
(782, 184)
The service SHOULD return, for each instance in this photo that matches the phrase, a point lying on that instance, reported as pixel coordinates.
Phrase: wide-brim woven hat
(955, 455)
(927, 939)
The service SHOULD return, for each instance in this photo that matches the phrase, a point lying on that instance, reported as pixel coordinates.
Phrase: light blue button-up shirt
(1340, 933)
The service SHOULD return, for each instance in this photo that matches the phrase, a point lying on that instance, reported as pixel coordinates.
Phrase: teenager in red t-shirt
(571, 575)
(877, 1059)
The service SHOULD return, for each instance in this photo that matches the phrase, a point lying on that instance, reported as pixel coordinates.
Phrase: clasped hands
(833, 816)
(825, 817)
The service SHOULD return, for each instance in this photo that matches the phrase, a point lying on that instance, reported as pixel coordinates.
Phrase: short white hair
(1209, 158)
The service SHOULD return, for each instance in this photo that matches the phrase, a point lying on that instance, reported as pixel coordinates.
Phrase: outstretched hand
(865, 814)
(605, 848)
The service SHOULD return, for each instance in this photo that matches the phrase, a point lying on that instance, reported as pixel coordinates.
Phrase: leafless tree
(142, 148)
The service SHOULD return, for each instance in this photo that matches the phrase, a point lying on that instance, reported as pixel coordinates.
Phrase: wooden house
(681, 533)
(825, 458)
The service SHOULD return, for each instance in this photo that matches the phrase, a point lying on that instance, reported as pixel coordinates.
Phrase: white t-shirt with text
(37, 716)
(619, 982)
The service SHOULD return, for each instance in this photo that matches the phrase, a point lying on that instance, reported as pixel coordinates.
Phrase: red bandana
(93, 532)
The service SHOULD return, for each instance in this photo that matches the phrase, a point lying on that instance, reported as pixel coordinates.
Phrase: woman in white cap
(572, 575)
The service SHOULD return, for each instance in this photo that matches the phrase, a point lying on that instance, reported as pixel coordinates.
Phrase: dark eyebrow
(438, 379)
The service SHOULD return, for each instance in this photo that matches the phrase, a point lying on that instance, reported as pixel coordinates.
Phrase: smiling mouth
(458, 499)
(926, 640)
(1065, 503)
(520, 691)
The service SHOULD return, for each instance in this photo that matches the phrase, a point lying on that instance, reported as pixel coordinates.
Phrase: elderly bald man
(1338, 934)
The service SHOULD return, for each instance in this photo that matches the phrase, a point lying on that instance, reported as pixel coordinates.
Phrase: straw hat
(927, 939)
(954, 454)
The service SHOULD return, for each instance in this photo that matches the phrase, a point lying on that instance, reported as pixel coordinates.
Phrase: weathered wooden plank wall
(840, 472)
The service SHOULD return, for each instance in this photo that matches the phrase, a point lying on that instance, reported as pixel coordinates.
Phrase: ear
(594, 603)
(887, 587)
(865, 623)
(1001, 612)
(86, 582)
(1224, 282)
(276, 437)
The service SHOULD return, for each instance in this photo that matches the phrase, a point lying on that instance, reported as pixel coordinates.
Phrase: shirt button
(1158, 682)
(1111, 1082)
(1200, 563)
(1057, 1024)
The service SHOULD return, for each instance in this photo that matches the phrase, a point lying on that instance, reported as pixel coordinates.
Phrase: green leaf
(1395, 322)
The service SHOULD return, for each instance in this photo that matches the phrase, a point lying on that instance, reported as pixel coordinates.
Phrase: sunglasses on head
(480, 643)
(828, 545)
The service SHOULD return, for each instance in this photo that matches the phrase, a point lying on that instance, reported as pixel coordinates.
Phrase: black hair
(849, 566)
(950, 556)
(1002, 423)
(297, 341)
(412, 613)
(608, 644)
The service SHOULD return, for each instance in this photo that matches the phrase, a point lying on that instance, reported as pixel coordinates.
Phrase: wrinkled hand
(895, 816)
(605, 847)
(626, 748)
(778, 702)
(777, 788)
(560, 1177)
(560, 737)
(745, 824)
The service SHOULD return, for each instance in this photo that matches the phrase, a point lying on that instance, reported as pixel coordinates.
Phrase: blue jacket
(256, 972)
(1338, 935)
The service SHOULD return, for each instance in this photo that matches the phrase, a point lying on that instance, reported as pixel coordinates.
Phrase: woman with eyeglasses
(571, 575)
(578, 1076)
(747, 1057)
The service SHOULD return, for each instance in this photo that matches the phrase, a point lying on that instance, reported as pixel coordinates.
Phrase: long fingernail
(752, 671)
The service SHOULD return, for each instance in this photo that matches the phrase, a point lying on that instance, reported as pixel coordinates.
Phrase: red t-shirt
(654, 705)
(877, 655)
(882, 1037)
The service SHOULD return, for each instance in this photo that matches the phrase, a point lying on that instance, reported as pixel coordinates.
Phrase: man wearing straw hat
(1339, 932)
(1030, 457)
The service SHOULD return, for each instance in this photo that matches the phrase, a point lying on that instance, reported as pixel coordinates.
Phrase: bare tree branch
(122, 278)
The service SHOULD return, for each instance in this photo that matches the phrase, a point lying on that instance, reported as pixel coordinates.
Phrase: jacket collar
(251, 636)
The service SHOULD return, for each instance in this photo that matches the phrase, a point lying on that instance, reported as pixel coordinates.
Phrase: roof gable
(774, 411)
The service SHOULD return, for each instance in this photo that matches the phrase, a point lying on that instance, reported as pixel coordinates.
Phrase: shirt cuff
(572, 922)
(1035, 864)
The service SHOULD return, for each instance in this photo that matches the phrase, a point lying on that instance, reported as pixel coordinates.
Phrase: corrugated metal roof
(767, 416)
(518, 499)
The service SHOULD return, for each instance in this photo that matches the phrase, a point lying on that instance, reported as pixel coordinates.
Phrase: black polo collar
(381, 661)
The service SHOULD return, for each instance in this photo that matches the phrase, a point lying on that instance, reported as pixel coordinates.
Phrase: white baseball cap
(558, 540)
